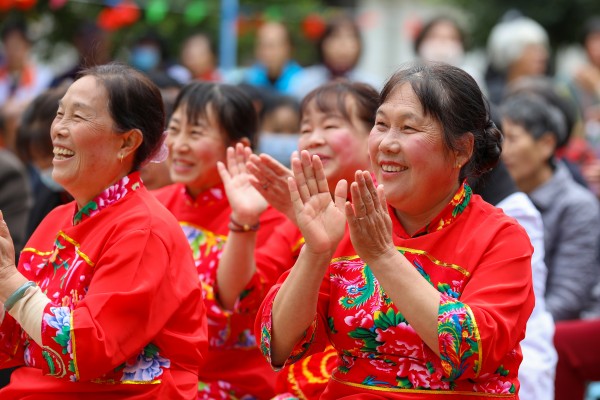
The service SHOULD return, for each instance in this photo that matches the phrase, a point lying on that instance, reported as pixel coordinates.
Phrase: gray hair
(508, 40)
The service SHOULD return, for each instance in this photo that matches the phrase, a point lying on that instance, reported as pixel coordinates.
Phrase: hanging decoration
(195, 12)
(56, 4)
(156, 11)
(313, 26)
(123, 14)
(24, 5)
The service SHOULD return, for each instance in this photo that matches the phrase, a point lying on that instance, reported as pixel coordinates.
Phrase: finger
(381, 195)
(358, 208)
(350, 215)
(240, 158)
(295, 197)
(300, 180)
(340, 194)
(223, 173)
(231, 162)
(322, 185)
(365, 194)
(295, 154)
(309, 171)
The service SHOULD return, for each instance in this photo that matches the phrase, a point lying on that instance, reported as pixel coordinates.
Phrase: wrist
(242, 226)
(9, 284)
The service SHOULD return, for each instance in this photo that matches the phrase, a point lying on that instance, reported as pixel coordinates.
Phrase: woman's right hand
(321, 220)
(247, 204)
(270, 177)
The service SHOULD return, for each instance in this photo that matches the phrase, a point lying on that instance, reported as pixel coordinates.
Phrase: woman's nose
(315, 138)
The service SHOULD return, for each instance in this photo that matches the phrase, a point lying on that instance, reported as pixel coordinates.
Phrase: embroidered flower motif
(359, 320)
(147, 366)
(488, 383)
(60, 319)
(400, 339)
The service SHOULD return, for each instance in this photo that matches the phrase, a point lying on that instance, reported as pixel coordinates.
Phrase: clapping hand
(7, 250)
(247, 204)
(270, 177)
(320, 219)
(368, 219)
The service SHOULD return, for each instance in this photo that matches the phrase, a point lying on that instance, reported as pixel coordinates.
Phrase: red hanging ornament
(6, 5)
(24, 5)
(313, 26)
(124, 14)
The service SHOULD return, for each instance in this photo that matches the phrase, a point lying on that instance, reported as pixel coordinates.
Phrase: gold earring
(121, 158)
(458, 166)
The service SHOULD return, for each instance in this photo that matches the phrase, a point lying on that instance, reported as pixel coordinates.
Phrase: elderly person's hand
(320, 219)
(10, 278)
(369, 220)
(270, 179)
(247, 204)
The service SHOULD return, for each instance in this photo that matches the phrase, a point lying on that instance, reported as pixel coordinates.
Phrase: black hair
(134, 102)
(233, 109)
(426, 29)
(452, 97)
(536, 115)
(332, 97)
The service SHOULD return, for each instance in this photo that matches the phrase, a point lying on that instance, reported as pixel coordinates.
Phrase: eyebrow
(78, 105)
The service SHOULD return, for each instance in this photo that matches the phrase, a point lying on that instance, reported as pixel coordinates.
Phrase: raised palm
(246, 202)
(320, 219)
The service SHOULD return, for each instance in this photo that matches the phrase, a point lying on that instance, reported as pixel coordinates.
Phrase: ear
(131, 140)
(547, 145)
(465, 149)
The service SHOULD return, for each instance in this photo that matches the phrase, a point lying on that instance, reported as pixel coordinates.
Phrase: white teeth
(61, 151)
(392, 168)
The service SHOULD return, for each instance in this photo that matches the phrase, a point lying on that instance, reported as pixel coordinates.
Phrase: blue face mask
(280, 146)
(46, 178)
(145, 58)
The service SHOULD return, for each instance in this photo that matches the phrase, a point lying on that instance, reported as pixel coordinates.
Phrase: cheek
(209, 151)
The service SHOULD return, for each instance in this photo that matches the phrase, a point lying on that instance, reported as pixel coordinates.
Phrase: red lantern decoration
(313, 26)
(24, 5)
(124, 14)
(6, 5)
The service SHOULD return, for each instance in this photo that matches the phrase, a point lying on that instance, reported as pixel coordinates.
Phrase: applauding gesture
(320, 218)
(247, 204)
(369, 220)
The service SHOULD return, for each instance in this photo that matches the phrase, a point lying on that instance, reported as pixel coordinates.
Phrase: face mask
(444, 51)
(145, 58)
(280, 146)
(46, 178)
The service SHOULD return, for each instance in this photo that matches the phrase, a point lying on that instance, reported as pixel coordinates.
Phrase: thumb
(3, 227)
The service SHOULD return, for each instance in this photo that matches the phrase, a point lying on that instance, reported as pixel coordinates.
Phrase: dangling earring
(121, 158)
(458, 166)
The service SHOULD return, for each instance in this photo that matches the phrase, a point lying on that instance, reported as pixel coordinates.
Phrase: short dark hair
(332, 96)
(592, 25)
(134, 102)
(35, 124)
(331, 28)
(535, 114)
(452, 97)
(233, 108)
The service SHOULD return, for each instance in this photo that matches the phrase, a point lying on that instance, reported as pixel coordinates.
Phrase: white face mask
(46, 178)
(280, 146)
(442, 51)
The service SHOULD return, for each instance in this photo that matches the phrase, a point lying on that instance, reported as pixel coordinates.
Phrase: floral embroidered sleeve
(458, 339)
(479, 328)
(58, 349)
(264, 324)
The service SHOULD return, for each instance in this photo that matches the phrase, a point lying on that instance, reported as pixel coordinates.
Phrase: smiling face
(340, 143)
(194, 149)
(409, 157)
(87, 148)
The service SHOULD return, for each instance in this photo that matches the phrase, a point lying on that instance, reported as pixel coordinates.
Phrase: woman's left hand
(7, 251)
(247, 204)
(368, 219)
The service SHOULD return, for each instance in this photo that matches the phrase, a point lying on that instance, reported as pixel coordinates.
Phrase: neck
(538, 178)
(413, 222)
